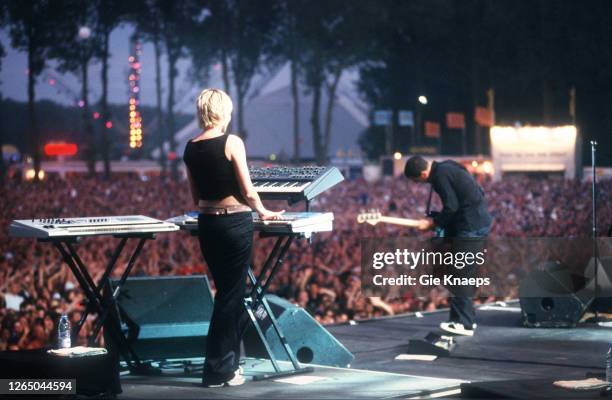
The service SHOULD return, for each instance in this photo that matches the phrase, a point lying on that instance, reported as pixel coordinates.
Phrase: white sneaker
(457, 328)
(237, 380)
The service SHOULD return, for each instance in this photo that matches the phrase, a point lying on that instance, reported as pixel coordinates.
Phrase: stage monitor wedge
(553, 297)
(172, 313)
(311, 342)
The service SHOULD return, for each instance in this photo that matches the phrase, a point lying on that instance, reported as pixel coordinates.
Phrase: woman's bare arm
(237, 154)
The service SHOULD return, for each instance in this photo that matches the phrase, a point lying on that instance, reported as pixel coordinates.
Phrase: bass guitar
(374, 217)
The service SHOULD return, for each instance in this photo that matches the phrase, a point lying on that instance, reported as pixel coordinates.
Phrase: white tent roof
(268, 117)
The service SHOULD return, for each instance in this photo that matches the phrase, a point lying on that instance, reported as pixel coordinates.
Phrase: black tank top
(213, 174)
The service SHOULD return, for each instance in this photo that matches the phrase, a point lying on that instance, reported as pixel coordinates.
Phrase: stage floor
(501, 350)
(323, 383)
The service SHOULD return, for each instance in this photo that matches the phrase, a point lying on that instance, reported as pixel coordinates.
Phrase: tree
(79, 44)
(237, 34)
(332, 34)
(285, 47)
(248, 45)
(408, 53)
(176, 17)
(31, 30)
(250, 29)
(110, 14)
(293, 51)
(220, 27)
(201, 45)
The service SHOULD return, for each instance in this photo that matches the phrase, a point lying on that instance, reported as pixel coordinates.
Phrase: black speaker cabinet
(172, 312)
(310, 341)
(552, 297)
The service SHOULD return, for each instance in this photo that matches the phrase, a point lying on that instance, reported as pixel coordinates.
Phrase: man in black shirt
(464, 215)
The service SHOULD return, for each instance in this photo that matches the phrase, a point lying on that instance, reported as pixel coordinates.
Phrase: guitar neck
(413, 223)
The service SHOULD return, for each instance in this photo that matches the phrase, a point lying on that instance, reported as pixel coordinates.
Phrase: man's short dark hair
(414, 166)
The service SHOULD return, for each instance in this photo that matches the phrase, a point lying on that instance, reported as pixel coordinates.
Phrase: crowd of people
(324, 276)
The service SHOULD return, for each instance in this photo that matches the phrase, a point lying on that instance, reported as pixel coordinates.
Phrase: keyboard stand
(101, 297)
(258, 308)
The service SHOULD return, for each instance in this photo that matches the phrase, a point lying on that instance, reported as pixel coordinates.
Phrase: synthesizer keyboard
(88, 226)
(294, 184)
(292, 222)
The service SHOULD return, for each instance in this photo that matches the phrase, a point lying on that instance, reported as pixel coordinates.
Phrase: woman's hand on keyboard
(268, 215)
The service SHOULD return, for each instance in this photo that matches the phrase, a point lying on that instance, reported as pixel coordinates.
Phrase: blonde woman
(221, 187)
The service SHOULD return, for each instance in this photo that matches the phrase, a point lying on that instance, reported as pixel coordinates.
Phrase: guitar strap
(439, 232)
(428, 208)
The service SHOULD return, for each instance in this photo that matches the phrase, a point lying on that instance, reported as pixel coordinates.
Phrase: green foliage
(530, 52)
(70, 49)
(31, 29)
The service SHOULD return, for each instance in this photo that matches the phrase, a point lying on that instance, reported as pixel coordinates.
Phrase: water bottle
(63, 332)
(609, 365)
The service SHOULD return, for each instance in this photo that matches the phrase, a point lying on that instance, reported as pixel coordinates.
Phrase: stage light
(96, 115)
(423, 100)
(487, 167)
(81, 103)
(30, 173)
(108, 124)
(474, 163)
(541, 136)
(135, 131)
(60, 149)
(397, 155)
(84, 32)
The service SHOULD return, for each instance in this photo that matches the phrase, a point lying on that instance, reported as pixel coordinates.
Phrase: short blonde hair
(214, 108)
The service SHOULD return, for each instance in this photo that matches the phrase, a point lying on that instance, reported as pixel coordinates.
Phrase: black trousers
(226, 242)
(460, 302)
